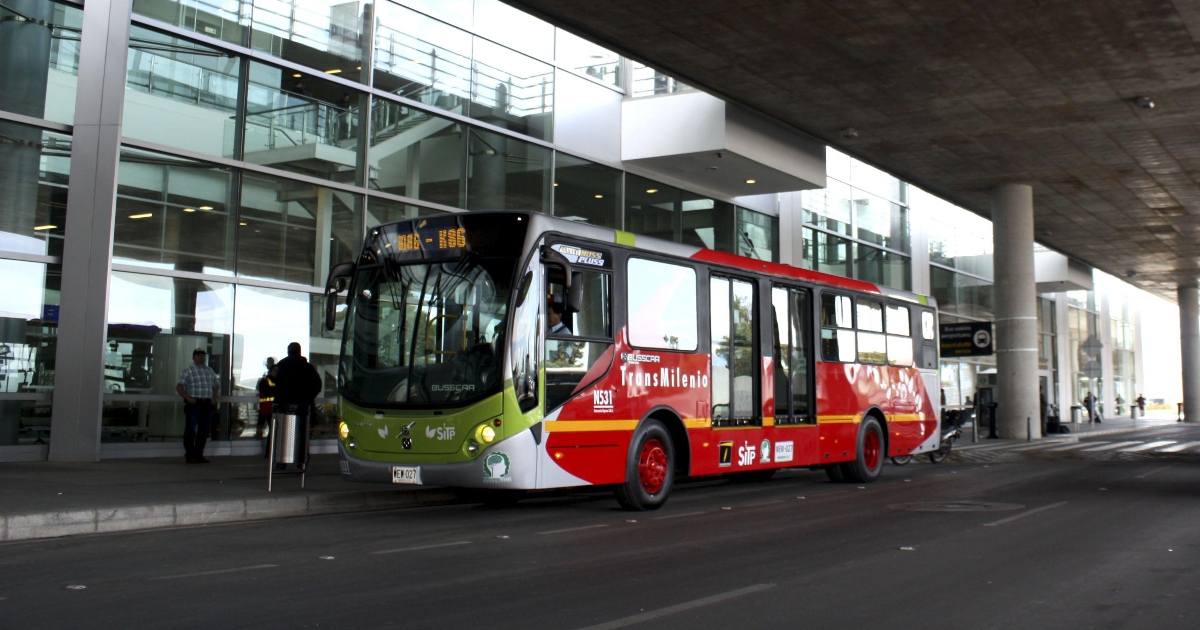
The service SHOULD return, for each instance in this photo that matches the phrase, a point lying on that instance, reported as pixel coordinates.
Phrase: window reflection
(421, 58)
(380, 211)
(180, 94)
(321, 34)
(34, 168)
(666, 212)
(28, 334)
(883, 267)
(416, 154)
(39, 65)
(224, 19)
(514, 28)
(828, 253)
(829, 207)
(511, 90)
(880, 222)
(586, 191)
(295, 232)
(302, 124)
(757, 235)
(587, 58)
(507, 174)
(173, 213)
(154, 325)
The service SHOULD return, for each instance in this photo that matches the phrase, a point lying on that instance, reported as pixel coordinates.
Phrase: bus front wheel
(649, 470)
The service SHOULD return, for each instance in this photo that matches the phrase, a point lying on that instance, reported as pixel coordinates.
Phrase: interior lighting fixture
(189, 209)
(599, 196)
(1145, 102)
(41, 228)
(334, 71)
(296, 76)
(141, 216)
(242, 223)
(750, 181)
(556, 184)
(651, 191)
(206, 207)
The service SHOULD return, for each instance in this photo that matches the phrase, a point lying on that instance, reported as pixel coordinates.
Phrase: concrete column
(1189, 344)
(87, 251)
(1016, 311)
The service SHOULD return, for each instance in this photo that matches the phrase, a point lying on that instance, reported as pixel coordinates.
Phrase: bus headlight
(343, 430)
(352, 444)
(487, 433)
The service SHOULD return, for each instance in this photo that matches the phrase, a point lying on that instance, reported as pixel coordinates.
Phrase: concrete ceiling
(957, 97)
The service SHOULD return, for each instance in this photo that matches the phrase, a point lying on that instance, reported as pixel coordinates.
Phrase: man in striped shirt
(198, 385)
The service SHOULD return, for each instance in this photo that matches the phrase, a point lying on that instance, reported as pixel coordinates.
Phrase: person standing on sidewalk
(266, 402)
(297, 384)
(199, 386)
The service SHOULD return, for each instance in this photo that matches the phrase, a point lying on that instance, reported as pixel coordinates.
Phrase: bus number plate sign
(406, 474)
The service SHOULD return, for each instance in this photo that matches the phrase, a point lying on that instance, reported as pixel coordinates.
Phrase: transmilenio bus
(514, 350)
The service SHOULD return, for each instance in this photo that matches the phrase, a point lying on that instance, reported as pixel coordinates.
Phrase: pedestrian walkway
(49, 499)
(1124, 434)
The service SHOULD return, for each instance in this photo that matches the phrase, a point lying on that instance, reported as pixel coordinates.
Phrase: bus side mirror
(574, 297)
(339, 279)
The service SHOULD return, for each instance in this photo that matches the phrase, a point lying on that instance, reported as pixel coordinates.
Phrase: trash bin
(1076, 414)
(284, 435)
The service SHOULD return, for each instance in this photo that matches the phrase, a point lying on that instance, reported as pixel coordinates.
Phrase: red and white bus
(514, 350)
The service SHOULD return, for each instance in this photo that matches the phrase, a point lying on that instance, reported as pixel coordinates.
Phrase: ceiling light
(750, 181)
(651, 191)
(141, 216)
(189, 209)
(599, 196)
(556, 184)
(296, 76)
(241, 223)
(44, 227)
(206, 207)
(1144, 102)
(334, 71)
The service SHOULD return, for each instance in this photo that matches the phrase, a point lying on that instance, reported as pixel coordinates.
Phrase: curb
(32, 526)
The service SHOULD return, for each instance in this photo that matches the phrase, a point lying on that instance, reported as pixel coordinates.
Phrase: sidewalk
(1110, 426)
(49, 499)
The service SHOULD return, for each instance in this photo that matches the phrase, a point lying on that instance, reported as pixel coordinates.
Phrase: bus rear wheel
(870, 453)
(649, 470)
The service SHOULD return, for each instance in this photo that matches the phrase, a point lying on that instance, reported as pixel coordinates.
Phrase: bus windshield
(428, 332)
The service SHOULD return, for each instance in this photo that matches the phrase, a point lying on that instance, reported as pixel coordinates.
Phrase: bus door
(791, 335)
(735, 356)
(579, 346)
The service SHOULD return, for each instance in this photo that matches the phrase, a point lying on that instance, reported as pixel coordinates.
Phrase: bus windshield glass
(427, 318)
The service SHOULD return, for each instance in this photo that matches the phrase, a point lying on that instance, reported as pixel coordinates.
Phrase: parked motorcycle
(942, 452)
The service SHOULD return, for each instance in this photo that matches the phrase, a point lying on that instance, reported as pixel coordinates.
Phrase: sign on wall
(972, 339)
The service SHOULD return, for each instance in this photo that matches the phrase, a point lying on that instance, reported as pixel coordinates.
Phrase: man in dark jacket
(296, 385)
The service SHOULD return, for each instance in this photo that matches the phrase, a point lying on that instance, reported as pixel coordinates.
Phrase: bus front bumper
(510, 464)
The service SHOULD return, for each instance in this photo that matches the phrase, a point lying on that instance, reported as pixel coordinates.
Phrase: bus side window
(792, 330)
(872, 345)
(837, 328)
(899, 341)
(662, 305)
(572, 353)
(734, 358)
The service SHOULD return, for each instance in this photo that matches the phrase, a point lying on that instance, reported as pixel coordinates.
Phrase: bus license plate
(406, 474)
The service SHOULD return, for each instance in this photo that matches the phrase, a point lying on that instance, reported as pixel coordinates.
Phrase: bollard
(1028, 429)
(975, 429)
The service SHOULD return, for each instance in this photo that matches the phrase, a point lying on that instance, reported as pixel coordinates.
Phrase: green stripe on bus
(625, 238)
(923, 300)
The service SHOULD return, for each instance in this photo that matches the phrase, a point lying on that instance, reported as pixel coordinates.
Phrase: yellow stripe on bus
(831, 419)
(907, 417)
(574, 426)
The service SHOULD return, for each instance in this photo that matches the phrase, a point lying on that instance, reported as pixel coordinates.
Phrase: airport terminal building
(182, 174)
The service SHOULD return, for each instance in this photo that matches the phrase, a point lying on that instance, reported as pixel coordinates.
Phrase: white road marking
(217, 572)
(574, 529)
(1180, 447)
(670, 610)
(1109, 447)
(422, 547)
(663, 518)
(750, 505)
(1024, 514)
(1071, 447)
(1148, 446)
(1034, 447)
(1155, 471)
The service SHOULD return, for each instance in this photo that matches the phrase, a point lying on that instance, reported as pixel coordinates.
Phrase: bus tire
(836, 473)
(870, 452)
(649, 469)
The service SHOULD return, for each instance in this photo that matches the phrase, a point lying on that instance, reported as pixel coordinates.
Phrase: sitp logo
(602, 401)
(442, 433)
(747, 454)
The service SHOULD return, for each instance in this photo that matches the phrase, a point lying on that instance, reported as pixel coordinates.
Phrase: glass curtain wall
(1083, 323)
(1125, 386)
(858, 225)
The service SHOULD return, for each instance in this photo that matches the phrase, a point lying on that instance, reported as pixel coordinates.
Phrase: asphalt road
(1037, 542)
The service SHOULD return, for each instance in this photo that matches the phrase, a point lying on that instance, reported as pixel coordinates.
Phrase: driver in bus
(554, 318)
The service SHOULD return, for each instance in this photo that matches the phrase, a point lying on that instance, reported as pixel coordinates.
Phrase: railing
(650, 82)
(305, 122)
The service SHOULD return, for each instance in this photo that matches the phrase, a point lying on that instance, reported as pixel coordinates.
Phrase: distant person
(199, 386)
(297, 385)
(554, 318)
(1141, 405)
(299, 88)
(266, 402)
(1089, 402)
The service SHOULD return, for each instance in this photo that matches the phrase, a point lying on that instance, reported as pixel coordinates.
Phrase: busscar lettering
(452, 387)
